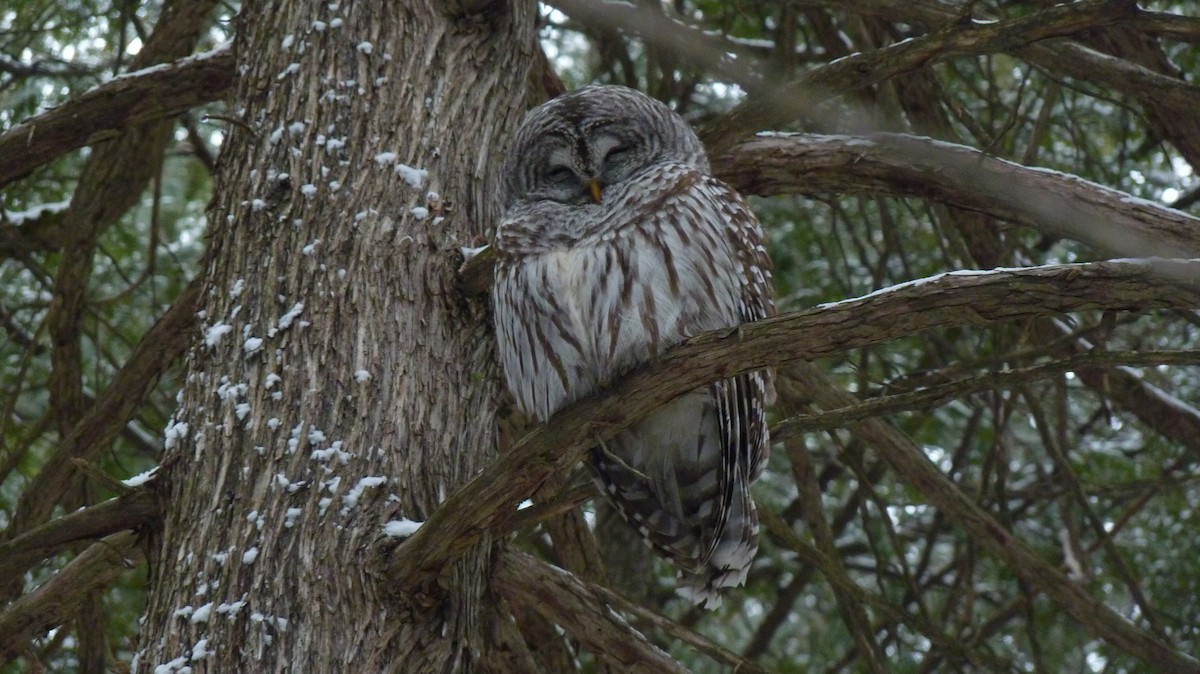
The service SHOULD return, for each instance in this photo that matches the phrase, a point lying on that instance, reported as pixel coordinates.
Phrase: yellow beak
(596, 190)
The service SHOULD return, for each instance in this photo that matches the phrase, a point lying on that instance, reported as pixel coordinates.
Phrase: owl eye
(559, 175)
(617, 155)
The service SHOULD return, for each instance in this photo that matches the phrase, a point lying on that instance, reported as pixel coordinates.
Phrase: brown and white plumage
(588, 289)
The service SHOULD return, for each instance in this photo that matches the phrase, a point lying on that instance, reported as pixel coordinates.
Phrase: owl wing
(740, 405)
(681, 476)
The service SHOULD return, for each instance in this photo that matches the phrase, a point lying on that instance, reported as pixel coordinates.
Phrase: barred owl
(617, 244)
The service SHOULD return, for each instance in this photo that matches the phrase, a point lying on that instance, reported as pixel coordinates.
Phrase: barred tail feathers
(670, 478)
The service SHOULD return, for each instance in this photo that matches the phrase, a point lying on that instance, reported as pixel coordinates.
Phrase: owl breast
(611, 295)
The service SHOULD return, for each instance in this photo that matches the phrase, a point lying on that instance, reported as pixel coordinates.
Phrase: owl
(617, 244)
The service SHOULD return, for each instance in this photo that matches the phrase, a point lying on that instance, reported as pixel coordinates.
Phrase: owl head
(573, 148)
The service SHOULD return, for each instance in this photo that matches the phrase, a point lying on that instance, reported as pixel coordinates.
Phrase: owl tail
(669, 478)
(732, 553)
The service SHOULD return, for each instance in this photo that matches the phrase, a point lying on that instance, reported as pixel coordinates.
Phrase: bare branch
(570, 603)
(902, 165)
(1151, 405)
(1170, 115)
(128, 512)
(802, 95)
(850, 603)
(810, 556)
(708, 52)
(910, 463)
(161, 346)
(970, 298)
(104, 111)
(1117, 74)
(926, 398)
(60, 598)
(680, 633)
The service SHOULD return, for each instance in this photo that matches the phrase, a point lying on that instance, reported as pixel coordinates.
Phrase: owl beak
(596, 190)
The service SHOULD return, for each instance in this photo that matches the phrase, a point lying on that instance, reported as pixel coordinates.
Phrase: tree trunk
(340, 379)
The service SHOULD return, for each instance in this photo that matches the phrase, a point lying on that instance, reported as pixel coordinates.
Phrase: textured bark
(372, 392)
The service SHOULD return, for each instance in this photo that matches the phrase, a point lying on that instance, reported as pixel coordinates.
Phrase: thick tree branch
(106, 110)
(571, 604)
(965, 298)
(127, 512)
(1171, 26)
(58, 600)
(903, 165)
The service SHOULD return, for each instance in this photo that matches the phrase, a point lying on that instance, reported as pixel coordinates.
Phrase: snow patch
(252, 345)
(200, 650)
(202, 614)
(415, 177)
(285, 321)
(213, 335)
(141, 478)
(350, 499)
(468, 252)
(401, 528)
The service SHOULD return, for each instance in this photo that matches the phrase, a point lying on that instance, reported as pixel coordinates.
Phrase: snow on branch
(903, 165)
(103, 111)
(490, 500)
